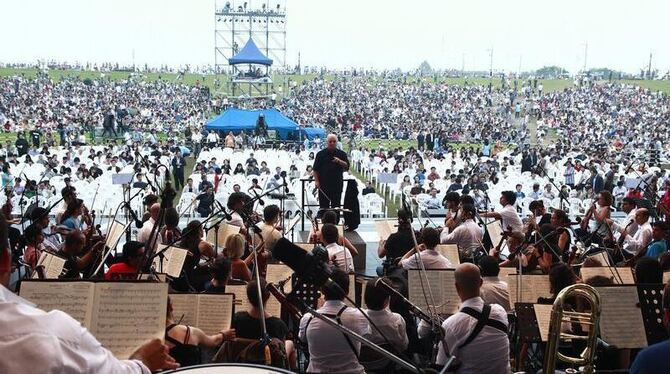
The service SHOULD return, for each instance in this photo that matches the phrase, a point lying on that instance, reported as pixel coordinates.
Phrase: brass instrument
(587, 319)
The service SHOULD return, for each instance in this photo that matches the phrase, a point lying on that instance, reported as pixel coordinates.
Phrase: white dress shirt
(640, 240)
(488, 352)
(340, 257)
(328, 349)
(236, 220)
(495, 291)
(145, 232)
(34, 341)
(510, 219)
(392, 326)
(431, 259)
(466, 236)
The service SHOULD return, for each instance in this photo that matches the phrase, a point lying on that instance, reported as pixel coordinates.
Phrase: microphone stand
(423, 275)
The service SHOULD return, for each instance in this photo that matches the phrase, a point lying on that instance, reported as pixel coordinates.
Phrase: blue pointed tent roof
(250, 54)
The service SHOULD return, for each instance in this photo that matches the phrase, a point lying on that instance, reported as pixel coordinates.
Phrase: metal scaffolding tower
(237, 21)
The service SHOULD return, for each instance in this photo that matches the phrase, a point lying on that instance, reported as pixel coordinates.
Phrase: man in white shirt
(509, 218)
(391, 324)
(269, 232)
(337, 254)
(494, 290)
(637, 244)
(144, 234)
(629, 206)
(34, 341)
(330, 350)
(467, 236)
(481, 351)
(430, 257)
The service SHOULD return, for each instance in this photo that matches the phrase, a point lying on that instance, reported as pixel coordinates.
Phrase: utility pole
(519, 72)
(133, 53)
(586, 54)
(463, 64)
(491, 63)
(649, 67)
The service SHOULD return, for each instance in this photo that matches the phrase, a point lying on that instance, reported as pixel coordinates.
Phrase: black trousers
(329, 199)
(178, 178)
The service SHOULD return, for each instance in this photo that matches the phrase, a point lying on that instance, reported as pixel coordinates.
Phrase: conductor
(329, 164)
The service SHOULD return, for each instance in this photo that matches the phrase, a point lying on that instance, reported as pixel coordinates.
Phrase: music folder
(210, 313)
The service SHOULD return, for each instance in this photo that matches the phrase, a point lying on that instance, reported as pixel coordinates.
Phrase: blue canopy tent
(312, 132)
(237, 120)
(250, 54)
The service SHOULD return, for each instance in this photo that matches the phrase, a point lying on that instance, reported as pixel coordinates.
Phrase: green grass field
(663, 86)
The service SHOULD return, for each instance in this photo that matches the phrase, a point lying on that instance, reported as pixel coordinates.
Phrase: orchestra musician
(34, 237)
(64, 344)
(330, 350)
(399, 242)
(74, 245)
(467, 235)
(170, 231)
(131, 260)
(430, 257)
(391, 324)
(510, 221)
(184, 341)
(337, 255)
(247, 324)
(234, 250)
(331, 218)
(192, 241)
(270, 232)
(451, 203)
(236, 202)
(220, 276)
(637, 244)
(145, 233)
(462, 340)
(600, 213)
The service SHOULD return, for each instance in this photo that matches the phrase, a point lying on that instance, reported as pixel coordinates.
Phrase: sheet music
(165, 258)
(543, 316)
(114, 234)
(215, 312)
(385, 228)
(53, 265)
(621, 321)
(277, 273)
(442, 285)
(449, 251)
(533, 287)
(504, 272)
(125, 315)
(602, 258)
(240, 292)
(495, 232)
(175, 261)
(225, 230)
(185, 305)
(73, 298)
(617, 275)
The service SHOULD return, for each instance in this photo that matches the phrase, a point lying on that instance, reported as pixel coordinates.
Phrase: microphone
(578, 220)
(285, 184)
(138, 222)
(223, 211)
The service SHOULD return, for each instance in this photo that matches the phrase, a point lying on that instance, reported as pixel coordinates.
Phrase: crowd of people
(534, 195)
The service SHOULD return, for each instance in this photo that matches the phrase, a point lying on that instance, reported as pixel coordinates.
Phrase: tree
(425, 69)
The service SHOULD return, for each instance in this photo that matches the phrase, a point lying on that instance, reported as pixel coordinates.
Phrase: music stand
(651, 305)
(527, 326)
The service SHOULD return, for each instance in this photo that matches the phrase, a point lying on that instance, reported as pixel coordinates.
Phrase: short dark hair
(375, 296)
(235, 198)
(510, 196)
(252, 292)
(404, 216)
(329, 233)
(270, 212)
(31, 232)
(535, 204)
(467, 199)
(329, 217)
(431, 237)
(171, 217)
(470, 209)
(67, 190)
(560, 277)
(562, 216)
(331, 291)
(452, 197)
(488, 266)
(131, 249)
(629, 200)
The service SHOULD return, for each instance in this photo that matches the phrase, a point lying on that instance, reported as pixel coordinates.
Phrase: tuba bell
(587, 319)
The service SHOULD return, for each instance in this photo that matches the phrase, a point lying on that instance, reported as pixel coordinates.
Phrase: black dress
(184, 354)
